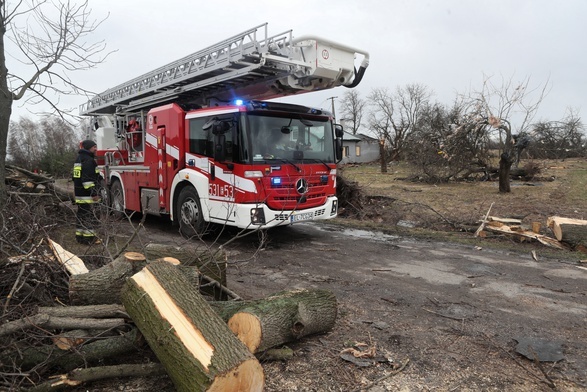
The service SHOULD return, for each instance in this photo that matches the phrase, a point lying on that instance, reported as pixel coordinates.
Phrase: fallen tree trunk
(280, 318)
(80, 376)
(103, 285)
(198, 350)
(90, 353)
(47, 182)
(51, 322)
(95, 311)
(571, 231)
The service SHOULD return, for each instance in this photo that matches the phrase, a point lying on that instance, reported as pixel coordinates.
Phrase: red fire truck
(197, 140)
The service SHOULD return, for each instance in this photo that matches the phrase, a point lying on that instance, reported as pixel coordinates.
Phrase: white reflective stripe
(88, 184)
(173, 151)
(201, 163)
(152, 140)
(240, 183)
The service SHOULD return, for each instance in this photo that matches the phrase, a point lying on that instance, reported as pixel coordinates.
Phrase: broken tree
(193, 343)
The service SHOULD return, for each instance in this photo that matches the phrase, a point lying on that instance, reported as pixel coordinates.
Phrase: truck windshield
(292, 138)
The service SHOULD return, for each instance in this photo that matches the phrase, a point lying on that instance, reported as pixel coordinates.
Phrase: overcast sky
(446, 45)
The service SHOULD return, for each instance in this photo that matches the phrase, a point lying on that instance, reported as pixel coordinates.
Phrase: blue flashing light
(238, 102)
(275, 181)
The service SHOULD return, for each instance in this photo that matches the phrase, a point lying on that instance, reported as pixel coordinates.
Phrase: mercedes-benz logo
(302, 186)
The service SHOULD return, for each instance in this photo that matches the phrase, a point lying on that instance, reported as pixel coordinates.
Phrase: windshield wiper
(322, 162)
(291, 163)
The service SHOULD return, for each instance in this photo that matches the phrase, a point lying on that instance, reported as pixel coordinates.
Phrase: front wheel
(191, 219)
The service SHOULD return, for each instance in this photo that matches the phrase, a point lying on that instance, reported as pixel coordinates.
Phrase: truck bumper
(259, 216)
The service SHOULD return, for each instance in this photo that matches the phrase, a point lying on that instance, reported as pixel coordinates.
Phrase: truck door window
(199, 138)
(202, 141)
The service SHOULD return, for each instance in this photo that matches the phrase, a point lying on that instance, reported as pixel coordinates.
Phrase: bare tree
(507, 109)
(442, 148)
(380, 119)
(25, 143)
(394, 117)
(559, 139)
(353, 108)
(52, 39)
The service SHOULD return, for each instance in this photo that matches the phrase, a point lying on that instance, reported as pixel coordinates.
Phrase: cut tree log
(196, 347)
(281, 318)
(568, 230)
(211, 265)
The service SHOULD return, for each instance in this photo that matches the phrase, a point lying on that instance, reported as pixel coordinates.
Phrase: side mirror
(338, 149)
(220, 127)
(338, 133)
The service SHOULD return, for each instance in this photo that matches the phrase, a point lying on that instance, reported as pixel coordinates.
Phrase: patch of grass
(578, 185)
(559, 189)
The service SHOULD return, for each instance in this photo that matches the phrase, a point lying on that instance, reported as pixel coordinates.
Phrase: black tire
(102, 210)
(189, 213)
(116, 201)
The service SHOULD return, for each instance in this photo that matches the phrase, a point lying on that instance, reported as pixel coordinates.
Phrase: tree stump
(198, 350)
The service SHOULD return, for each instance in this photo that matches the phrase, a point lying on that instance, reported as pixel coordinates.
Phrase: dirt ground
(437, 316)
(427, 306)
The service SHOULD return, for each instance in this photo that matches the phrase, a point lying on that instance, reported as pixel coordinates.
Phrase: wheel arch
(199, 182)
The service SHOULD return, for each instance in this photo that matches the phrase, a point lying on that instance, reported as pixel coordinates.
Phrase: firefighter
(86, 182)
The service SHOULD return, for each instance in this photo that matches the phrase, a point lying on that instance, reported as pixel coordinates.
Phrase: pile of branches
(350, 198)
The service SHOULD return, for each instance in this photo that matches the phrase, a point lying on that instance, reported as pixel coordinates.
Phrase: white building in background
(359, 148)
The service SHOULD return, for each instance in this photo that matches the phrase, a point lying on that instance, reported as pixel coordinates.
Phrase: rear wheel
(191, 220)
(117, 199)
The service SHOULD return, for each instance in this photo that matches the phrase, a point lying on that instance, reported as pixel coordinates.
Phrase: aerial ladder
(251, 66)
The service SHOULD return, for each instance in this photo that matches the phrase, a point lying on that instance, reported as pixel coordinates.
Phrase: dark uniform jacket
(85, 177)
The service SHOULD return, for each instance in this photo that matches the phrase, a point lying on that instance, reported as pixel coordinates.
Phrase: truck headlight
(334, 207)
(257, 216)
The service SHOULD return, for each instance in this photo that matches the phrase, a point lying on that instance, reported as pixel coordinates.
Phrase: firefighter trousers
(85, 230)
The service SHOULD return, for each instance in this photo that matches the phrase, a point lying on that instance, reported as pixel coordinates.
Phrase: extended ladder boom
(244, 66)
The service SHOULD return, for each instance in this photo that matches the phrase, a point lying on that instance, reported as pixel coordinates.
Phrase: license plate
(302, 216)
